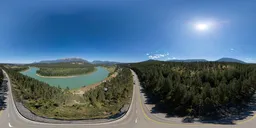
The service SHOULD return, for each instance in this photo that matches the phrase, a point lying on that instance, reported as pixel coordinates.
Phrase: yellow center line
(177, 124)
(246, 120)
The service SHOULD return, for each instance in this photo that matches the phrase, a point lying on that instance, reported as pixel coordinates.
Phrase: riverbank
(25, 70)
(95, 69)
(111, 69)
(84, 89)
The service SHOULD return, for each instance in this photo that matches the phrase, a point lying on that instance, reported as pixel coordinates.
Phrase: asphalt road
(137, 117)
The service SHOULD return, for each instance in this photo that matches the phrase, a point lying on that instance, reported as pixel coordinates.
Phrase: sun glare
(201, 26)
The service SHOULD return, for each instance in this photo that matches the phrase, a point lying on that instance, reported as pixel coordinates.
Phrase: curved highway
(138, 116)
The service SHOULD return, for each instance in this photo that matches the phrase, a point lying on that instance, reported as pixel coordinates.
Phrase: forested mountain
(151, 60)
(204, 60)
(76, 61)
(204, 89)
(104, 62)
(229, 60)
(189, 60)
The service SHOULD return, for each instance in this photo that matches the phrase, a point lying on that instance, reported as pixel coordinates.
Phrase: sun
(201, 26)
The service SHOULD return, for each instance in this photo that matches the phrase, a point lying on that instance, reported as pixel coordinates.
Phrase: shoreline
(25, 70)
(95, 69)
(84, 89)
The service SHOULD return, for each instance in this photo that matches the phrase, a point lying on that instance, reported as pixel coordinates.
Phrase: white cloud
(171, 58)
(147, 54)
(232, 49)
(158, 56)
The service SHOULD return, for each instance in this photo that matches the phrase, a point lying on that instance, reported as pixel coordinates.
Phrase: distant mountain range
(104, 62)
(64, 60)
(76, 60)
(225, 59)
(80, 60)
(229, 60)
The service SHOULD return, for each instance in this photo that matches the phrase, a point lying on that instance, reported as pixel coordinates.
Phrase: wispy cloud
(250, 60)
(157, 55)
(232, 49)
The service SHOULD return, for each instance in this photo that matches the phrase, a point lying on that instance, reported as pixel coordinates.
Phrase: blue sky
(127, 31)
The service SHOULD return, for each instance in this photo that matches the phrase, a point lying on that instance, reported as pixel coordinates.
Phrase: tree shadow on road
(3, 95)
(238, 114)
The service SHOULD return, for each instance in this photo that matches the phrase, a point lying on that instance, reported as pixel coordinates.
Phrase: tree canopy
(197, 89)
(64, 71)
(1, 77)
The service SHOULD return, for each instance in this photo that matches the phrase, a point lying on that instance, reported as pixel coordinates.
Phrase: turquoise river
(72, 82)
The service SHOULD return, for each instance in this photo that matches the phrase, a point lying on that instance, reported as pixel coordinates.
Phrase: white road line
(136, 121)
(10, 125)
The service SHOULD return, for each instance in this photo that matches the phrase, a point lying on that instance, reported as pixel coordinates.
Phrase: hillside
(229, 60)
(62, 65)
(224, 59)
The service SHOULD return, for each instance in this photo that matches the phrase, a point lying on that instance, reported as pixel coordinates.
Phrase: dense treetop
(1, 77)
(197, 89)
(64, 71)
(64, 68)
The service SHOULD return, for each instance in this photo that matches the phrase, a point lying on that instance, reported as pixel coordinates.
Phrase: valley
(103, 101)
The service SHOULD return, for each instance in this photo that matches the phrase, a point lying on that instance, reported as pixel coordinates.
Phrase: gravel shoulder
(31, 116)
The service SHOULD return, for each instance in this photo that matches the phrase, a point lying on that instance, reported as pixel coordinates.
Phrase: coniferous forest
(1, 77)
(104, 101)
(64, 71)
(197, 89)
